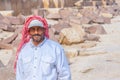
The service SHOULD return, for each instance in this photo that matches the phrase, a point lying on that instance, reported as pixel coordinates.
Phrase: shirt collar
(39, 45)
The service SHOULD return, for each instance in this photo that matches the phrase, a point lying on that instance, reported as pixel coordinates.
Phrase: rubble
(81, 30)
(95, 29)
(1, 64)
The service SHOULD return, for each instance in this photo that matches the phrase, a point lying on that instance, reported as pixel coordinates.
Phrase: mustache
(36, 35)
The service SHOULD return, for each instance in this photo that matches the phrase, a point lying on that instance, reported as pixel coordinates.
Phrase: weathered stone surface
(75, 20)
(78, 3)
(89, 13)
(5, 34)
(43, 12)
(1, 64)
(16, 20)
(54, 16)
(65, 13)
(19, 29)
(5, 56)
(10, 39)
(71, 35)
(84, 20)
(108, 15)
(52, 22)
(1, 17)
(71, 52)
(78, 27)
(66, 33)
(79, 15)
(7, 74)
(114, 10)
(52, 34)
(92, 37)
(95, 29)
(6, 21)
(6, 27)
(107, 20)
(6, 13)
(91, 16)
(99, 20)
(1, 30)
(16, 42)
(61, 24)
(77, 49)
(87, 3)
(99, 67)
(53, 10)
(5, 46)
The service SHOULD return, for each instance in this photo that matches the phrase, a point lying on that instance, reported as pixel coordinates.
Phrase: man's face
(37, 33)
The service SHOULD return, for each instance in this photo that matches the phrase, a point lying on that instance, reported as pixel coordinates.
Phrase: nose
(36, 31)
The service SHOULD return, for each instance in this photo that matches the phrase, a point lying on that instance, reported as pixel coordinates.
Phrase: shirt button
(34, 76)
(35, 48)
(35, 57)
(34, 66)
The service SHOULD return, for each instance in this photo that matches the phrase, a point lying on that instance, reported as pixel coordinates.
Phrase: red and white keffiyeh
(25, 34)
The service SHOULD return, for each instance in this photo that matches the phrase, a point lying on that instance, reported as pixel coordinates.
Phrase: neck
(36, 43)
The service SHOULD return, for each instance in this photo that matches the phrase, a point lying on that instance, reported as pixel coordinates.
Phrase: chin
(37, 40)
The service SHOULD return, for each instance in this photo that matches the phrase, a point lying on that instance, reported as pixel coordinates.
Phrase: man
(39, 58)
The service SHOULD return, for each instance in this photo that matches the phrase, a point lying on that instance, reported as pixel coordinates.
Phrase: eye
(40, 29)
(32, 29)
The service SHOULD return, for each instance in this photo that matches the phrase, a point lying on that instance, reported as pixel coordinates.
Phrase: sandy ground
(103, 63)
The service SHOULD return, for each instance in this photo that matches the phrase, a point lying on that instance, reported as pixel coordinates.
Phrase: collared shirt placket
(35, 63)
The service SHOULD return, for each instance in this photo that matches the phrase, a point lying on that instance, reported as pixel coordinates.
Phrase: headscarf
(25, 34)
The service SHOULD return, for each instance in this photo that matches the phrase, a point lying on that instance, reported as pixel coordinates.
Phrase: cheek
(41, 33)
(30, 34)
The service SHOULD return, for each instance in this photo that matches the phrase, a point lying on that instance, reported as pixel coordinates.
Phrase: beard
(37, 37)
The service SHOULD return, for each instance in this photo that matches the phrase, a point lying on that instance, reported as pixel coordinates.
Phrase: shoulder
(55, 46)
(54, 43)
(25, 48)
(26, 45)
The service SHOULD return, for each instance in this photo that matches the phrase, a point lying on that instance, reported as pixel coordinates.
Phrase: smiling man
(38, 57)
